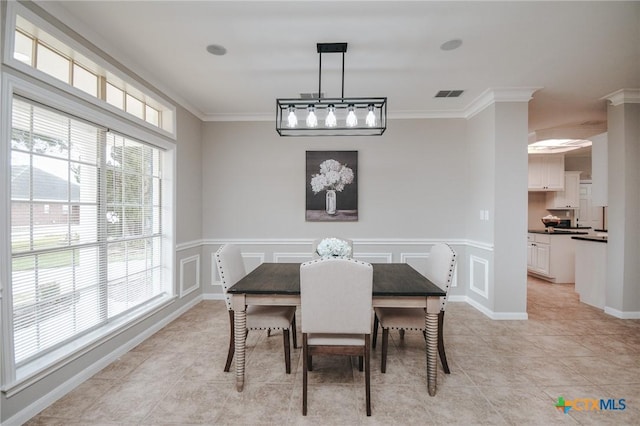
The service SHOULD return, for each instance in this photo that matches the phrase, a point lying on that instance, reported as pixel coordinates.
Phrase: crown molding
(623, 96)
(499, 94)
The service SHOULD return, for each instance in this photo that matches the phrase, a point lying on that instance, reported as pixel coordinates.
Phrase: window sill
(37, 369)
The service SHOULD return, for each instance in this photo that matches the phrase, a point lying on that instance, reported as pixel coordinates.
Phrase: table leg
(240, 323)
(431, 325)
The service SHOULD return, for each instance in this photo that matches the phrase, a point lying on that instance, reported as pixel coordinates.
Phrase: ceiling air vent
(449, 93)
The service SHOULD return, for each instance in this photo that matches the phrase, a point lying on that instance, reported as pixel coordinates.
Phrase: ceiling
(575, 52)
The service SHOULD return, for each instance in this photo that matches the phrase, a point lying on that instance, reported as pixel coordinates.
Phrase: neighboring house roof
(47, 186)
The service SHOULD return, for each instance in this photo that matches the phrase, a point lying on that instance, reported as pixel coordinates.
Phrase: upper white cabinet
(570, 197)
(546, 172)
(599, 169)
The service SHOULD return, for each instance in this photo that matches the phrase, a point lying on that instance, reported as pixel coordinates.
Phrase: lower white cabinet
(551, 257)
(537, 255)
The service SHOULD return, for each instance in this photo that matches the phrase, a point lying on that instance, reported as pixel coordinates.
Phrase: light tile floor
(502, 372)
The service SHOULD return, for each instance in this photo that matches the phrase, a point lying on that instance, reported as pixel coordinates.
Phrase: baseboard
(37, 406)
(212, 296)
(622, 314)
(488, 312)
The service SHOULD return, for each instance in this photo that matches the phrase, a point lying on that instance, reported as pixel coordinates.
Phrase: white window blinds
(86, 235)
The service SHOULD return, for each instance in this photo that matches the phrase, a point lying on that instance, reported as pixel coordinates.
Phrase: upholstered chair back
(336, 296)
(230, 267)
(440, 267)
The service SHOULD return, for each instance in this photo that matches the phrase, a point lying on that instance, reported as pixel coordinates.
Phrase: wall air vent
(449, 93)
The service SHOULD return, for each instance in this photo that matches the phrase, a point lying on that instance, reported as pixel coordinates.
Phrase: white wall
(498, 164)
(510, 226)
(623, 269)
(412, 182)
(189, 177)
(412, 192)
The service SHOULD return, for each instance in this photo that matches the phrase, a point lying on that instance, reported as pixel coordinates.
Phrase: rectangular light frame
(361, 106)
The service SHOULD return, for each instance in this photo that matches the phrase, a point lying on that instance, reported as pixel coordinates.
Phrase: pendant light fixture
(363, 116)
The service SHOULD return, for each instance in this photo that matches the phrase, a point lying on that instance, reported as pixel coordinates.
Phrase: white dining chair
(441, 264)
(231, 269)
(336, 304)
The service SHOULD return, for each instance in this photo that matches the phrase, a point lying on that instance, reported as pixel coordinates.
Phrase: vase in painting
(331, 201)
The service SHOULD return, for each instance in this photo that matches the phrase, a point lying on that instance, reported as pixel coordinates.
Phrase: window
(86, 227)
(38, 49)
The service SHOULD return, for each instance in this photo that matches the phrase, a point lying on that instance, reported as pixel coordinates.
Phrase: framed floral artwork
(332, 186)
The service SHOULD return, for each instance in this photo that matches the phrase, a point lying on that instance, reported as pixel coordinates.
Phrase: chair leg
(268, 332)
(310, 362)
(385, 343)
(375, 330)
(232, 345)
(360, 363)
(295, 335)
(287, 351)
(401, 331)
(443, 356)
(367, 373)
(305, 358)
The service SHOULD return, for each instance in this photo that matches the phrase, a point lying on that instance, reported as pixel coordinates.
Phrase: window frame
(14, 9)
(15, 379)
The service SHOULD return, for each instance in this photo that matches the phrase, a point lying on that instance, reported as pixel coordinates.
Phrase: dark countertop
(591, 238)
(557, 231)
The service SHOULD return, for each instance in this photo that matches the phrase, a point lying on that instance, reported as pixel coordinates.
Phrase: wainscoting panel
(479, 276)
(189, 274)
(373, 257)
(417, 261)
(292, 257)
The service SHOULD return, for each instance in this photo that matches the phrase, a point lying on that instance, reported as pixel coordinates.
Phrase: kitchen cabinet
(588, 214)
(537, 256)
(546, 172)
(551, 257)
(570, 197)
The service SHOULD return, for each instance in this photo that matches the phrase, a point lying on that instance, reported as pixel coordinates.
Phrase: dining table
(396, 285)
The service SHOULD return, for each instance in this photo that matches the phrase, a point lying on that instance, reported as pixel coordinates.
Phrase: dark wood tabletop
(389, 279)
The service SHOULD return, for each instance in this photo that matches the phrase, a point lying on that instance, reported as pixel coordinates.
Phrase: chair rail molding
(358, 241)
(189, 245)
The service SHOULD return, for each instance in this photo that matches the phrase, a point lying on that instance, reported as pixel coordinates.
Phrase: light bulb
(312, 120)
(352, 120)
(331, 121)
(371, 117)
(292, 120)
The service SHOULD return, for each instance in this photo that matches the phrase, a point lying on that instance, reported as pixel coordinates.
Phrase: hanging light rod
(362, 116)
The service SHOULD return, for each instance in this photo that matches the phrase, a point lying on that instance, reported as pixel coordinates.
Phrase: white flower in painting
(329, 165)
(333, 247)
(333, 175)
(318, 183)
